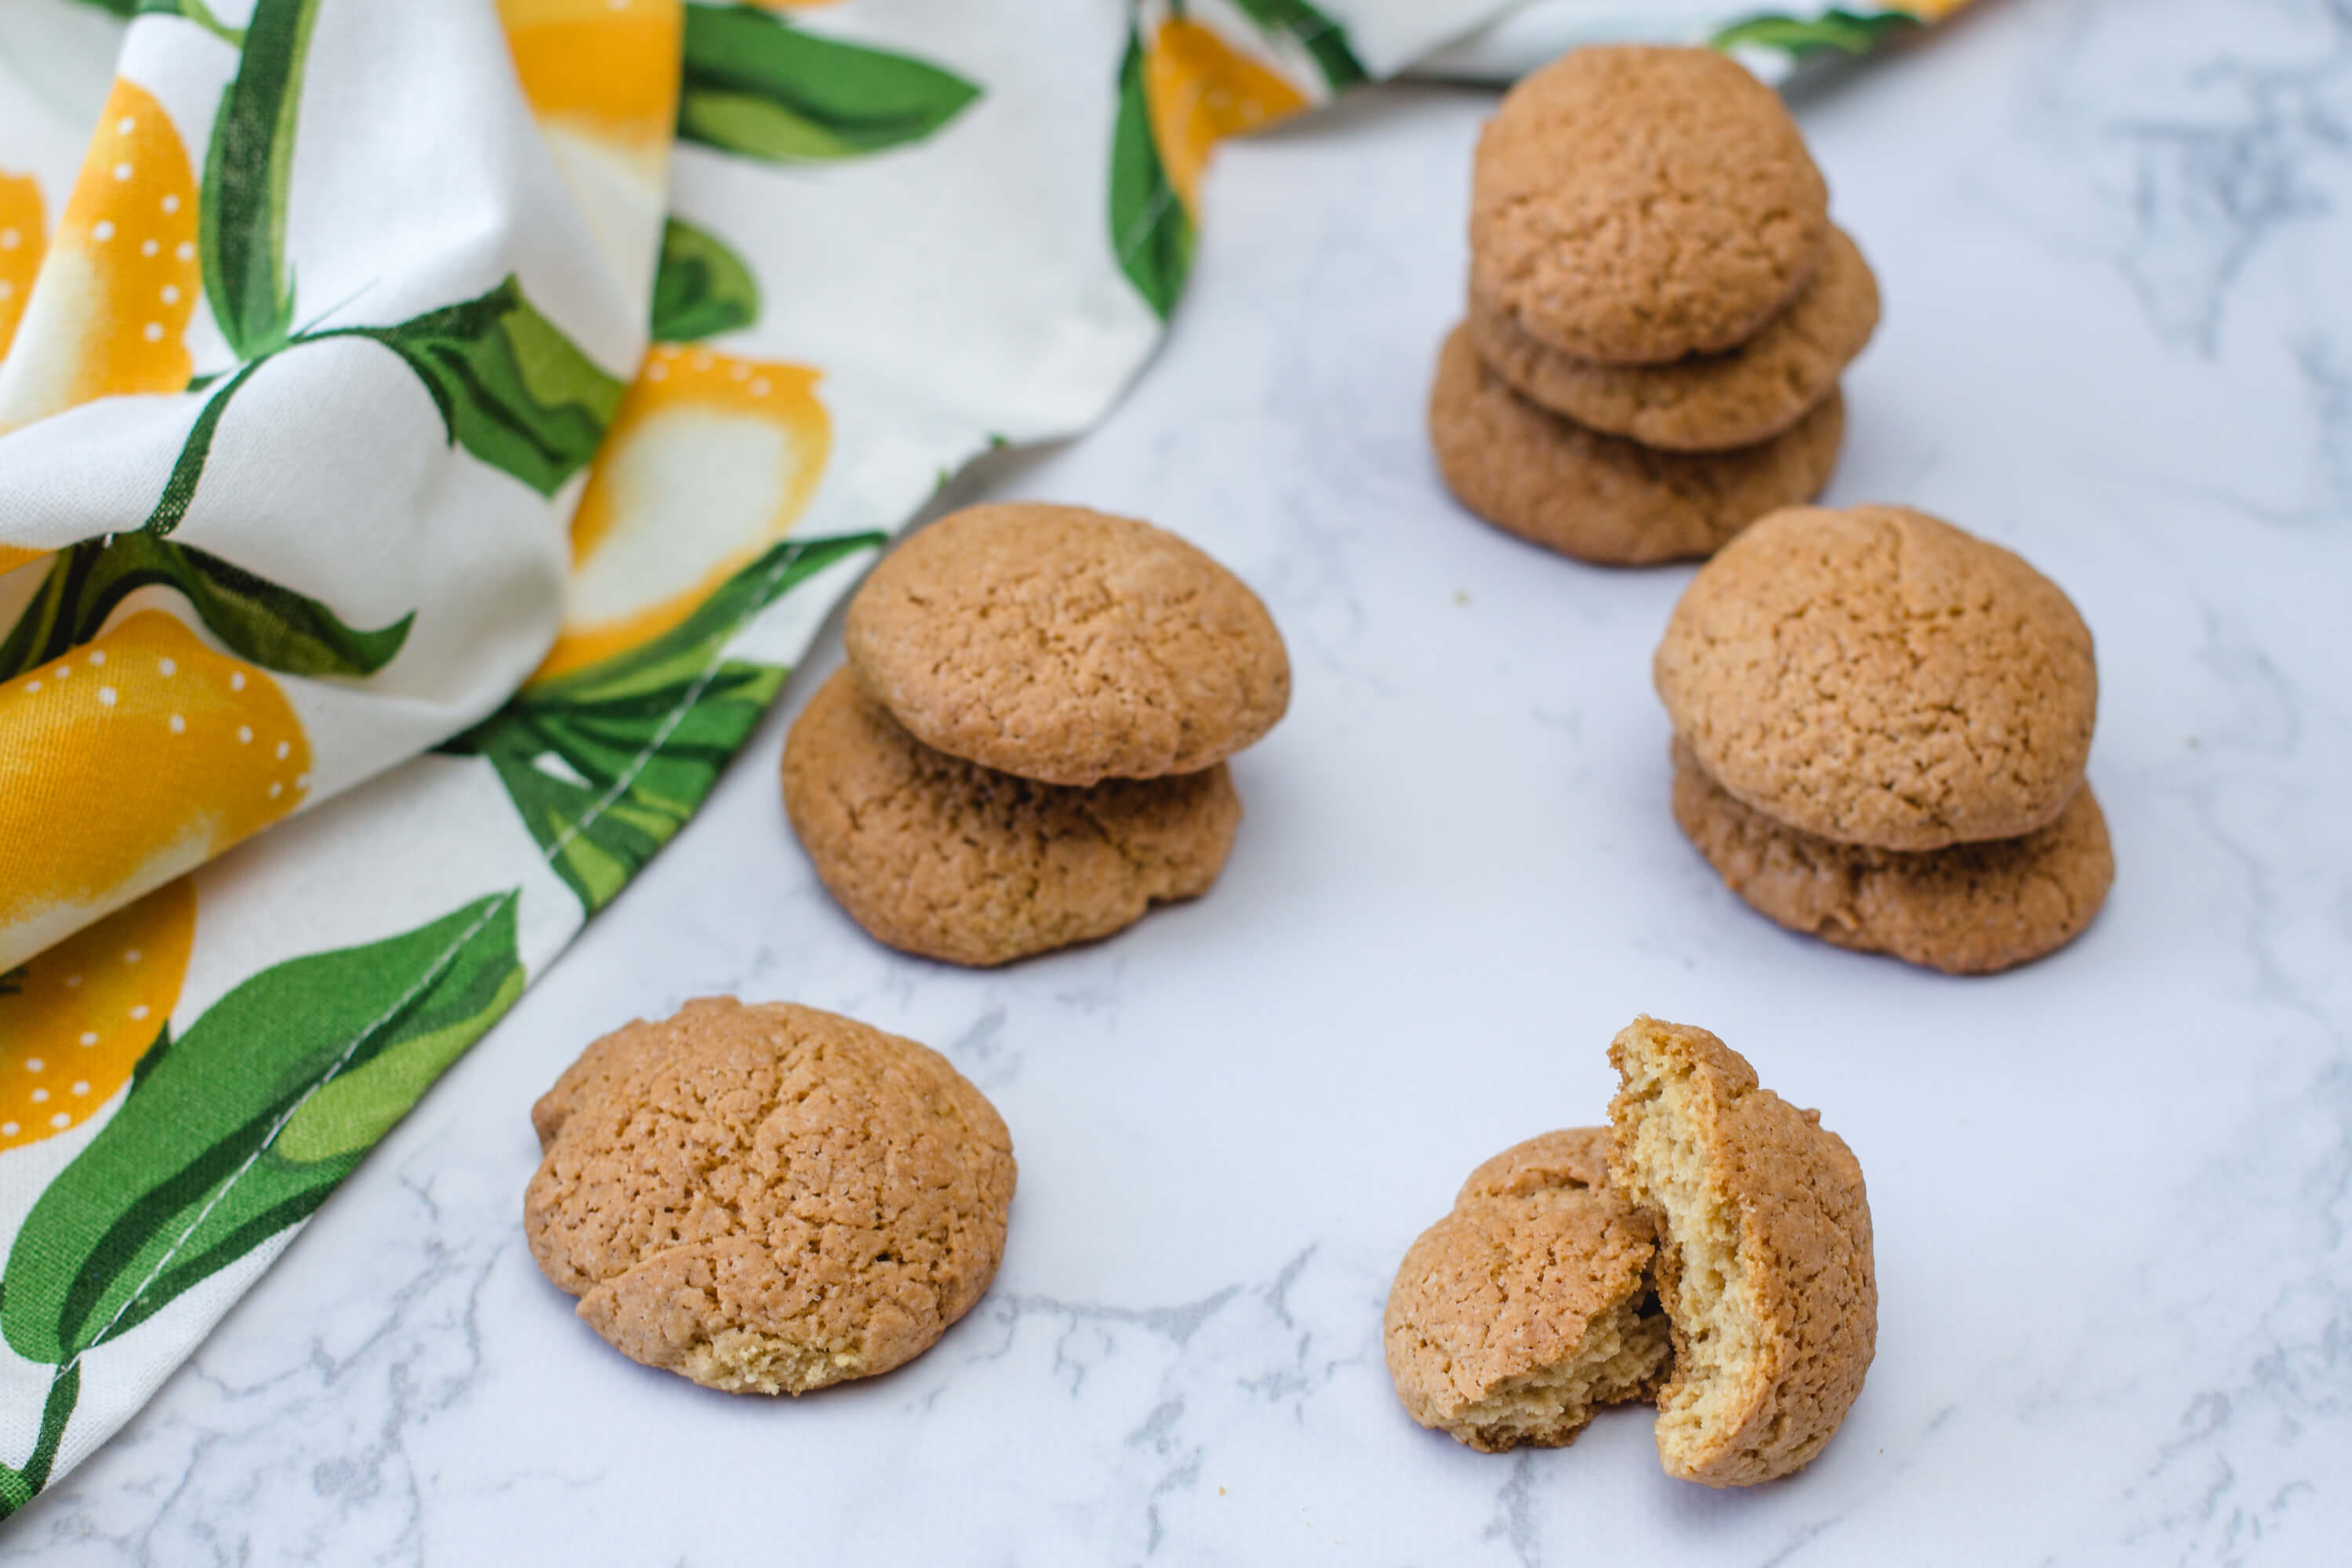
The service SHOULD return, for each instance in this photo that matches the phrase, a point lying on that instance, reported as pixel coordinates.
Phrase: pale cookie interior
(1704, 1282)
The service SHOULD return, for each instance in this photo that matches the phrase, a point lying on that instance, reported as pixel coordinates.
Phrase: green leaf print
(242, 218)
(256, 619)
(19, 1485)
(1839, 32)
(203, 1161)
(1325, 41)
(511, 388)
(702, 289)
(606, 764)
(1150, 232)
(756, 85)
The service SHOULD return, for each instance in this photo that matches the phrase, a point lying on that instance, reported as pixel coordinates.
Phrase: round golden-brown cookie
(767, 1198)
(1878, 677)
(946, 858)
(1764, 1261)
(1517, 1316)
(1066, 646)
(1632, 203)
(1603, 499)
(1968, 909)
(1709, 402)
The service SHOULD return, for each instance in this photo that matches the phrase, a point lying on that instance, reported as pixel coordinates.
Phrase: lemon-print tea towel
(429, 433)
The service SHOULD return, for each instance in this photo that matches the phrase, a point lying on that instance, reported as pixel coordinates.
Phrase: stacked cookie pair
(1880, 729)
(1710, 1249)
(1660, 310)
(1027, 747)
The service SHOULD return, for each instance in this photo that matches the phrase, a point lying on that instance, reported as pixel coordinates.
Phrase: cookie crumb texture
(1706, 403)
(948, 859)
(1632, 204)
(1068, 646)
(1971, 908)
(1602, 498)
(768, 1198)
(1877, 676)
(1764, 1263)
(1517, 1315)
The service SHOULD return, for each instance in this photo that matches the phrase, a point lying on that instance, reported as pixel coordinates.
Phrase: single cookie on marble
(768, 1198)
(1603, 499)
(945, 859)
(1764, 1261)
(1877, 677)
(1066, 646)
(1529, 1306)
(1709, 402)
(1633, 205)
(1968, 909)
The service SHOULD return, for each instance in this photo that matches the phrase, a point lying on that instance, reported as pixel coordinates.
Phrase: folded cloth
(429, 433)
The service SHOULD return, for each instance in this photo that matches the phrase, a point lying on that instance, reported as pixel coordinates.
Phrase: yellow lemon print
(1927, 10)
(1200, 90)
(76, 1019)
(110, 313)
(708, 461)
(137, 756)
(601, 77)
(23, 237)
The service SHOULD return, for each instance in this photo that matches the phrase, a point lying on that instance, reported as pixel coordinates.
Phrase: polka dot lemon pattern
(130, 760)
(23, 240)
(76, 1019)
(652, 538)
(122, 280)
(1200, 90)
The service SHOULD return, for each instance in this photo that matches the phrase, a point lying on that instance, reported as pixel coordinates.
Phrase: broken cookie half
(1764, 1255)
(1529, 1306)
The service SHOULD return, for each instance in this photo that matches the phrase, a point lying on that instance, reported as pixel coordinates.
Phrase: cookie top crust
(1765, 1255)
(767, 1198)
(1878, 677)
(1603, 499)
(1707, 402)
(1066, 646)
(1538, 1251)
(1971, 908)
(945, 859)
(1632, 203)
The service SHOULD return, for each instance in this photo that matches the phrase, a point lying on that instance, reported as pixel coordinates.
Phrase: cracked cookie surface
(946, 858)
(768, 1198)
(1603, 499)
(1764, 1257)
(1709, 402)
(1528, 1307)
(1066, 646)
(1632, 203)
(1968, 909)
(1877, 676)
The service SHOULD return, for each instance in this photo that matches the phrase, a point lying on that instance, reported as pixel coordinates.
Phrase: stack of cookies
(1027, 747)
(1659, 311)
(1880, 727)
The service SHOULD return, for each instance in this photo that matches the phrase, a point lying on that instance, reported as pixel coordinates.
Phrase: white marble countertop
(2110, 1189)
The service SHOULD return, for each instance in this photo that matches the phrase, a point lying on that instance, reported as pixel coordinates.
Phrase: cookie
(1878, 677)
(945, 859)
(1633, 205)
(1709, 402)
(1603, 499)
(768, 1198)
(1969, 908)
(1764, 1256)
(1068, 646)
(1517, 1316)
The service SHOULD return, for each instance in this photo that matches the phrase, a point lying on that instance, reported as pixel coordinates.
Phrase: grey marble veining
(2110, 1190)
